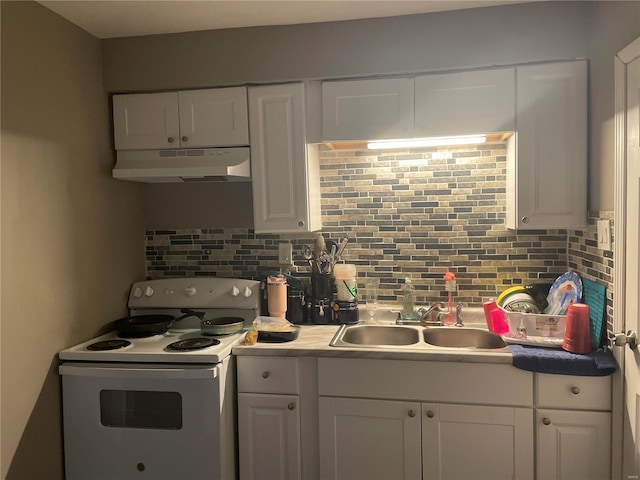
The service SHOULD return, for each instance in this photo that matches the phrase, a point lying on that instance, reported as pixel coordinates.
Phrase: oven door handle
(119, 371)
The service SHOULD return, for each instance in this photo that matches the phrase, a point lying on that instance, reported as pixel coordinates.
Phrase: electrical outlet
(285, 254)
(604, 234)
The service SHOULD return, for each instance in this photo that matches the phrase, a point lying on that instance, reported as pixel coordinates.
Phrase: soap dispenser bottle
(408, 304)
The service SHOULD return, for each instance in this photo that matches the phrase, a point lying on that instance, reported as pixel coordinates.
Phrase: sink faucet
(423, 316)
(440, 313)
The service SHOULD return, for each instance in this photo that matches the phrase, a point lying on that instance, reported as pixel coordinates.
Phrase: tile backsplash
(414, 213)
(586, 258)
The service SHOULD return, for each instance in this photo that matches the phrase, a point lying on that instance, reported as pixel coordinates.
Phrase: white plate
(567, 289)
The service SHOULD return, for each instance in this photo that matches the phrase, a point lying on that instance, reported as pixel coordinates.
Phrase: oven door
(146, 421)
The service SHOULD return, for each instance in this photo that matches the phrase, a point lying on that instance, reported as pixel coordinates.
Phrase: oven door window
(141, 409)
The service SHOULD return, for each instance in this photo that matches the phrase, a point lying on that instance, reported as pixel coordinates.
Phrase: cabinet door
(369, 439)
(550, 189)
(146, 121)
(367, 109)
(465, 103)
(214, 117)
(284, 170)
(269, 436)
(479, 442)
(573, 445)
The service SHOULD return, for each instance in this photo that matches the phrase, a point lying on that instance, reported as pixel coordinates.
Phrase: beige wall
(613, 26)
(431, 42)
(72, 237)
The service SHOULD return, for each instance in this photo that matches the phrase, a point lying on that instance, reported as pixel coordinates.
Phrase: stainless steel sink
(415, 337)
(462, 337)
(375, 335)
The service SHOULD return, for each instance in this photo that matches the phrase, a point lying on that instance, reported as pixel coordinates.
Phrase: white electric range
(137, 408)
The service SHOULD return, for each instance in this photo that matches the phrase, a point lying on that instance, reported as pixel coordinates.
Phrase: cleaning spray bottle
(450, 286)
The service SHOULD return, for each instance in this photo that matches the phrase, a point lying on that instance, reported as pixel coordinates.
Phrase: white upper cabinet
(547, 161)
(215, 117)
(367, 109)
(146, 121)
(195, 118)
(285, 169)
(465, 103)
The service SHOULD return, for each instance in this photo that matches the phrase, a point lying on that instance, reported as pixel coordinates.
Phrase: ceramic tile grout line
(450, 286)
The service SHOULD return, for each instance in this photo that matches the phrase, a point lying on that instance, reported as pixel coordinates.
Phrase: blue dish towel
(548, 360)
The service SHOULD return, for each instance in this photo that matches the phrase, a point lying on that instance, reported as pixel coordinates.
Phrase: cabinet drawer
(573, 392)
(455, 382)
(267, 375)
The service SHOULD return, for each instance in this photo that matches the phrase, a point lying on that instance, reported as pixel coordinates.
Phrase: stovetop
(215, 297)
(154, 349)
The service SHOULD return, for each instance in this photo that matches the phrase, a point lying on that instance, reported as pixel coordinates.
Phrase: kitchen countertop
(313, 341)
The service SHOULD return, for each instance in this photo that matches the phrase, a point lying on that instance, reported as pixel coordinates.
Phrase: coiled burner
(189, 344)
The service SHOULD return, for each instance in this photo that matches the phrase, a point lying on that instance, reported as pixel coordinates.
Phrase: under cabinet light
(426, 142)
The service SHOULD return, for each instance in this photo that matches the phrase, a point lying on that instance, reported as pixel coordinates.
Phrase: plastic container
(344, 275)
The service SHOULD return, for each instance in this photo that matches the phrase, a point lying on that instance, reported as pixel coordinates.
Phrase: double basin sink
(376, 336)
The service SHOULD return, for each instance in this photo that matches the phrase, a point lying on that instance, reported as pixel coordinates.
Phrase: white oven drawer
(267, 375)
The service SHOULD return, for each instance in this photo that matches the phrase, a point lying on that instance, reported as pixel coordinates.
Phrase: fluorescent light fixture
(426, 142)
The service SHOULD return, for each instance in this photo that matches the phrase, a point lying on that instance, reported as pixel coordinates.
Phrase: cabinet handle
(171, 139)
(301, 223)
(291, 406)
(185, 138)
(525, 219)
(546, 421)
(266, 374)
(412, 413)
(430, 414)
(575, 390)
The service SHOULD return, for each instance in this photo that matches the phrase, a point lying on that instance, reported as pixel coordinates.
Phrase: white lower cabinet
(476, 441)
(573, 427)
(269, 435)
(573, 445)
(386, 419)
(277, 418)
(369, 439)
(368, 419)
(383, 439)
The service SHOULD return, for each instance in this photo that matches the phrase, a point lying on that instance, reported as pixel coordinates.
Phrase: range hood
(184, 165)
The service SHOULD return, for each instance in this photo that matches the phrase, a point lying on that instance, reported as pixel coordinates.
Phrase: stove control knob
(235, 291)
(190, 291)
(148, 292)
(137, 293)
(247, 292)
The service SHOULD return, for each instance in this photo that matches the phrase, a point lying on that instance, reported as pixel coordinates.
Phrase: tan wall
(613, 26)
(450, 40)
(72, 237)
